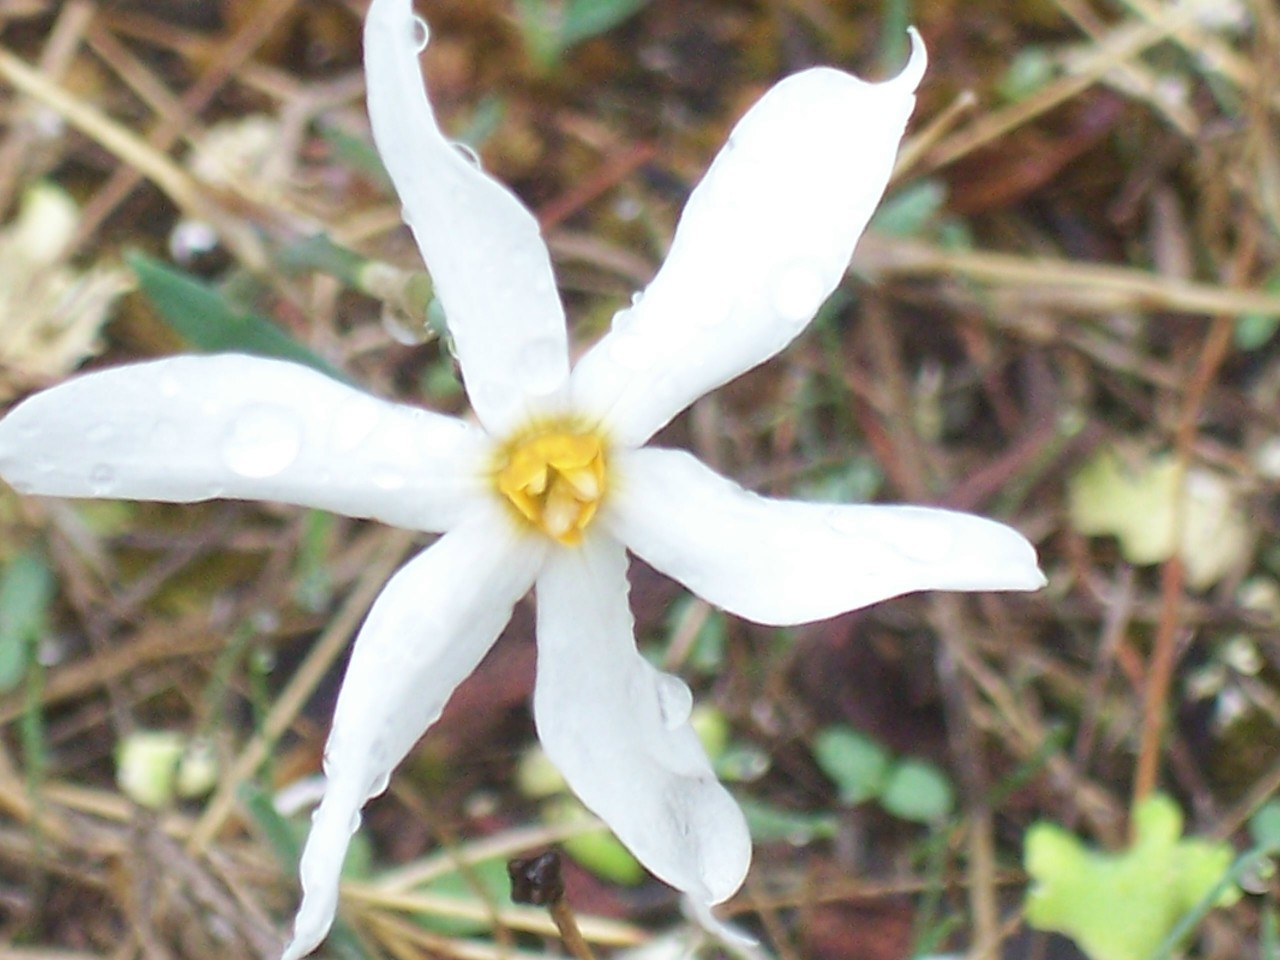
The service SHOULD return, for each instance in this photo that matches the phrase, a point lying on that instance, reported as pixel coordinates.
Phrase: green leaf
(26, 590)
(487, 878)
(856, 763)
(200, 315)
(767, 822)
(1264, 826)
(918, 791)
(1154, 509)
(1121, 906)
(585, 19)
(551, 27)
(597, 850)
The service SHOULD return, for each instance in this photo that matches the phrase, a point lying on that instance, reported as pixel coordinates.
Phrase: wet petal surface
(788, 562)
(618, 729)
(428, 630)
(484, 250)
(765, 238)
(194, 428)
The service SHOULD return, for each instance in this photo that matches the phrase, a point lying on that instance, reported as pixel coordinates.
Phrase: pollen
(555, 479)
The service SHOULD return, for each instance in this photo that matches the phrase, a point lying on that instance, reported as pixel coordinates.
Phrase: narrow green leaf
(200, 315)
(26, 590)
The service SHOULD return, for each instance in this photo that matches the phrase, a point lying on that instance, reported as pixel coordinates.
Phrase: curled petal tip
(727, 933)
(911, 75)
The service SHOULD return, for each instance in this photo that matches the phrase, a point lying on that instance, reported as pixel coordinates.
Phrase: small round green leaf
(917, 791)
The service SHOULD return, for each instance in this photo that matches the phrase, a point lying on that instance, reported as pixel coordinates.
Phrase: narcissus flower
(552, 485)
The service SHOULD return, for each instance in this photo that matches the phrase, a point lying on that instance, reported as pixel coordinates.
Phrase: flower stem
(537, 881)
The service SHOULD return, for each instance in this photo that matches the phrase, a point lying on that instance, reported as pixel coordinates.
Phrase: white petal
(486, 255)
(430, 627)
(787, 562)
(195, 428)
(763, 241)
(618, 729)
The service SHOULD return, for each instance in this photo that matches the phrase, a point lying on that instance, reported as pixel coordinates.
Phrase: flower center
(555, 480)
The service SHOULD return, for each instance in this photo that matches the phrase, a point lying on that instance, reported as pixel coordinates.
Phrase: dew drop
(388, 478)
(491, 396)
(469, 154)
(380, 784)
(675, 701)
(420, 33)
(353, 423)
(261, 441)
(629, 347)
(101, 479)
(921, 539)
(543, 366)
(404, 329)
(798, 291)
(164, 434)
(100, 433)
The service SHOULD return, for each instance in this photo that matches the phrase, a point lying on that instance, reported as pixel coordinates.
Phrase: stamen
(555, 479)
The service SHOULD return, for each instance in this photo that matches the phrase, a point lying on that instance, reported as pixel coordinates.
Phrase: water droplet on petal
(407, 330)
(469, 154)
(164, 434)
(380, 784)
(675, 701)
(491, 396)
(100, 433)
(543, 366)
(261, 441)
(421, 34)
(388, 478)
(629, 347)
(101, 479)
(798, 291)
(353, 423)
(920, 538)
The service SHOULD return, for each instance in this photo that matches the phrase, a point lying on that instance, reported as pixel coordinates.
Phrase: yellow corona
(555, 479)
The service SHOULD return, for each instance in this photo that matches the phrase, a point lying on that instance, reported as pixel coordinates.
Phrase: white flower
(554, 485)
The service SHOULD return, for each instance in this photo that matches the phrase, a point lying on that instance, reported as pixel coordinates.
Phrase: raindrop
(101, 479)
(354, 422)
(420, 34)
(633, 350)
(492, 397)
(798, 291)
(543, 366)
(675, 701)
(191, 239)
(100, 433)
(388, 478)
(165, 434)
(354, 823)
(404, 329)
(469, 154)
(380, 784)
(921, 539)
(262, 441)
